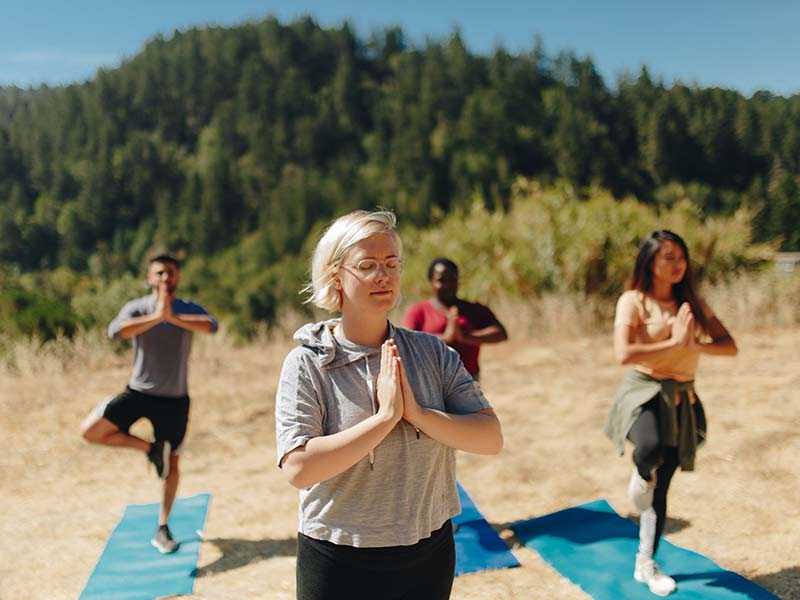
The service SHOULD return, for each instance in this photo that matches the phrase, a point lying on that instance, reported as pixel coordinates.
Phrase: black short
(169, 416)
(423, 571)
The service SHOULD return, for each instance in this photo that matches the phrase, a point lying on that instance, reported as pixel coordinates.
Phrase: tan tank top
(652, 321)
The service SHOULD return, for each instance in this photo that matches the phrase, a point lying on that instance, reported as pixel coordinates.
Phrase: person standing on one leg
(462, 325)
(161, 327)
(661, 328)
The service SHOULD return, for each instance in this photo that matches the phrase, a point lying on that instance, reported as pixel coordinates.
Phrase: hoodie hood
(330, 352)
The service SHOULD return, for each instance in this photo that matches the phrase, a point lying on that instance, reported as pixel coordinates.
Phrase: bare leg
(99, 430)
(170, 489)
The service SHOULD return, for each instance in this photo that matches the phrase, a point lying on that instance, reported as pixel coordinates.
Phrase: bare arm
(194, 323)
(721, 343)
(487, 335)
(491, 334)
(190, 322)
(327, 456)
(477, 432)
(452, 332)
(627, 350)
(138, 325)
(163, 314)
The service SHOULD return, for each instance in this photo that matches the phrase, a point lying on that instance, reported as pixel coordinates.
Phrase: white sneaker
(647, 571)
(640, 491)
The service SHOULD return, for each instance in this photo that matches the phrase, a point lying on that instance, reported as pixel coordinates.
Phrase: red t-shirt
(423, 316)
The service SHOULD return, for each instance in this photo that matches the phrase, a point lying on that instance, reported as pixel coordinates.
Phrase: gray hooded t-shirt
(406, 488)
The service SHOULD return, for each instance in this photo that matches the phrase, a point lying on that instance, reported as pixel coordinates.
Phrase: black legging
(423, 571)
(648, 454)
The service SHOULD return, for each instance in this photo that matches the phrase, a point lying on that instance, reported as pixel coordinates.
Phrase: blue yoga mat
(129, 568)
(478, 547)
(594, 547)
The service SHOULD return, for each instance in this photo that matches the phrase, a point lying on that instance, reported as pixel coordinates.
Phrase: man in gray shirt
(161, 326)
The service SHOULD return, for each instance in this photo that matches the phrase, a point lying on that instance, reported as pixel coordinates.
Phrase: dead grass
(61, 497)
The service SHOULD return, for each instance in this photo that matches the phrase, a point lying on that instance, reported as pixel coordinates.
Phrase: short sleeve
(462, 394)
(487, 317)
(192, 308)
(627, 313)
(413, 318)
(129, 311)
(298, 412)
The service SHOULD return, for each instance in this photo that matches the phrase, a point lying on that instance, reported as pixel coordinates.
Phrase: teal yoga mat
(129, 568)
(594, 547)
(478, 547)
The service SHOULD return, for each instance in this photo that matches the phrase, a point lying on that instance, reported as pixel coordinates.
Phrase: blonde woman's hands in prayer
(390, 393)
(411, 408)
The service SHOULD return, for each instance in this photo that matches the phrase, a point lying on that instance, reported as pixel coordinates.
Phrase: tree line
(234, 144)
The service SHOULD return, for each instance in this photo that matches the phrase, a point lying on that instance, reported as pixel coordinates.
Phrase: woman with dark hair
(660, 329)
(462, 325)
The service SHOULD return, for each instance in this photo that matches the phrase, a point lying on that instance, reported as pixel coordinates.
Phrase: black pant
(648, 454)
(169, 416)
(423, 571)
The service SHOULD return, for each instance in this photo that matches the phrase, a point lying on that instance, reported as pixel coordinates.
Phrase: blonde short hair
(338, 238)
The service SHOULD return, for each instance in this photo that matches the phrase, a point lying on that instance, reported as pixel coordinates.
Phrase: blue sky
(743, 45)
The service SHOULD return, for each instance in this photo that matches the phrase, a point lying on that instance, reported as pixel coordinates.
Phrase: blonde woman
(661, 328)
(368, 416)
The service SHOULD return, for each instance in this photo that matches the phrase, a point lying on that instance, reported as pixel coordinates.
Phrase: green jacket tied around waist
(637, 389)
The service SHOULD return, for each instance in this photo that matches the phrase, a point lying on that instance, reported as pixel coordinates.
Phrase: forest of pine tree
(233, 145)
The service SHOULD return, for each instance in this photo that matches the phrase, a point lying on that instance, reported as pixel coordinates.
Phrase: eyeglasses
(368, 267)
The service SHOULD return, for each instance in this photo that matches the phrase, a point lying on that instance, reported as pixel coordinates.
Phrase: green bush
(553, 241)
(548, 242)
(29, 314)
(97, 302)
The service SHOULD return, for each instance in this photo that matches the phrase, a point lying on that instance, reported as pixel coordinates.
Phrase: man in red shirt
(462, 325)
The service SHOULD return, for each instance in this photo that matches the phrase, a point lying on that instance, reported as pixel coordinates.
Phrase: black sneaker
(159, 456)
(163, 540)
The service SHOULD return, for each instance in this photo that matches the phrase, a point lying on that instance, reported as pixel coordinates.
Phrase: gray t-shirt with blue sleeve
(160, 354)
(406, 488)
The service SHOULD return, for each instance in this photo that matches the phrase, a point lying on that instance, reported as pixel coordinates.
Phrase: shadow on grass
(240, 553)
(673, 525)
(509, 536)
(784, 583)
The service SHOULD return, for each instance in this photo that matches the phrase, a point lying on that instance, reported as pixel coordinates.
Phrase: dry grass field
(60, 497)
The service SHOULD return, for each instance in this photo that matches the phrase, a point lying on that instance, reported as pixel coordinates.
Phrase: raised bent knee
(89, 434)
(95, 430)
(648, 456)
